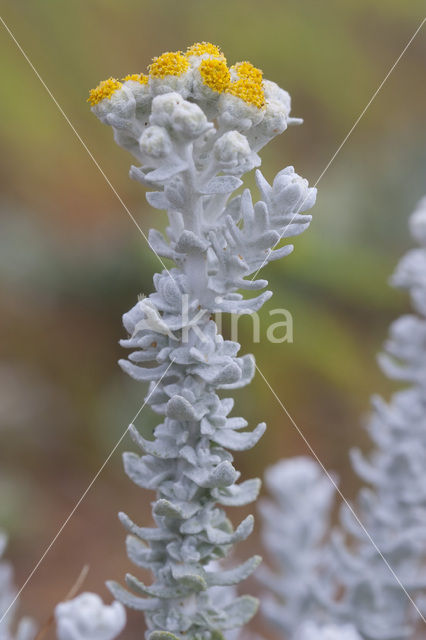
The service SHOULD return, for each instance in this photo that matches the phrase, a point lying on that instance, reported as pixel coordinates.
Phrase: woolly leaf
(239, 441)
(130, 600)
(238, 495)
(218, 536)
(222, 184)
(162, 635)
(239, 612)
(234, 576)
(157, 199)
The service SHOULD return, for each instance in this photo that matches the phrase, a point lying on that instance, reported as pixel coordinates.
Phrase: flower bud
(182, 118)
(233, 154)
(112, 98)
(155, 142)
(291, 191)
(190, 121)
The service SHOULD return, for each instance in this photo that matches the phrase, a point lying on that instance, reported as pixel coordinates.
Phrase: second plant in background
(370, 576)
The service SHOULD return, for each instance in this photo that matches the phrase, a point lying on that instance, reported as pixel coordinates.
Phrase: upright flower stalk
(196, 126)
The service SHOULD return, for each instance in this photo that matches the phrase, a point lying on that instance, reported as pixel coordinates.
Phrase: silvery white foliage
(312, 631)
(193, 147)
(26, 629)
(411, 270)
(295, 521)
(86, 617)
(393, 508)
(184, 155)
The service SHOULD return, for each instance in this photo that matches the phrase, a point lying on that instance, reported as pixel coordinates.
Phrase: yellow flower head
(247, 70)
(249, 85)
(248, 90)
(215, 74)
(200, 48)
(136, 77)
(169, 64)
(105, 89)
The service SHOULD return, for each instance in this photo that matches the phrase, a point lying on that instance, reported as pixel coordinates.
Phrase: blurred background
(71, 260)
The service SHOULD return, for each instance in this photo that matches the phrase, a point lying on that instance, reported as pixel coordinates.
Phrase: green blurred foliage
(71, 260)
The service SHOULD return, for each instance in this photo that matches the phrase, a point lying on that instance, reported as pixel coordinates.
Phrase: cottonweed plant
(295, 522)
(195, 127)
(378, 588)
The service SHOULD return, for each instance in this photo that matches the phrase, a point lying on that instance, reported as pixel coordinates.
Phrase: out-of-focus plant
(393, 507)
(196, 126)
(295, 522)
(312, 631)
(372, 586)
(86, 617)
(26, 629)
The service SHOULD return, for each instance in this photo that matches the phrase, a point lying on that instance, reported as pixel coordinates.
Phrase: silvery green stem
(194, 145)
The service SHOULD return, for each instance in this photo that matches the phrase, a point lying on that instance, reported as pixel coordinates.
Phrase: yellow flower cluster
(247, 70)
(200, 48)
(249, 86)
(213, 70)
(169, 64)
(248, 90)
(105, 89)
(136, 77)
(215, 74)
